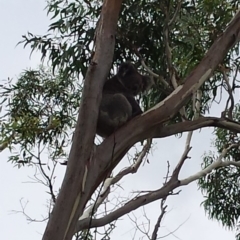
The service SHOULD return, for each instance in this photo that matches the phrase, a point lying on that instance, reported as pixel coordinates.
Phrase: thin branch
(130, 206)
(161, 79)
(172, 21)
(180, 163)
(157, 225)
(23, 211)
(231, 98)
(43, 173)
(211, 167)
(196, 108)
(113, 180)
(172, 232)
(202, 122)
(134, 168)
(161, 193)
(138, 225)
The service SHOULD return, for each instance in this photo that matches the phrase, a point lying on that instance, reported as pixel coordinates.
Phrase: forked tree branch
(161, 193)
(112, 150)
(113, 180)
(130, 206)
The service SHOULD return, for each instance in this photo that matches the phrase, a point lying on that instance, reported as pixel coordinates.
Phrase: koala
(118, 103)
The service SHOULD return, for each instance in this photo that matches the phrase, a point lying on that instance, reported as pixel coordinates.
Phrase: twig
(157, 225)
(113, 180)
(229, 90)
(196, 108)
(175, 14)
(214, 165)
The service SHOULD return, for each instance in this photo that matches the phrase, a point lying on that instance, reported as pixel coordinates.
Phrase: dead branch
(160, 218)
(180, 164)
(161, 193)
(23, 211)
(141, 226)
(130, 206)
(113, 180)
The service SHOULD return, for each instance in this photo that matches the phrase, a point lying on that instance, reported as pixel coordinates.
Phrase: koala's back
(115, 111)
(113, 85)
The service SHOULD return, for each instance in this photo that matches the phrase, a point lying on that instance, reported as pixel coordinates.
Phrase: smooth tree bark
(88, 165)
(71, 199)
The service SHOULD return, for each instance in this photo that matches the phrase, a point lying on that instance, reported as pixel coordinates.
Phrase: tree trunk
(70, 202)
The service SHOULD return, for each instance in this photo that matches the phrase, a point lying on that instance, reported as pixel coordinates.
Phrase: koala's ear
(125, 69)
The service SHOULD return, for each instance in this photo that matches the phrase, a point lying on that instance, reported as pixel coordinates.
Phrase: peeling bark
(71, 200)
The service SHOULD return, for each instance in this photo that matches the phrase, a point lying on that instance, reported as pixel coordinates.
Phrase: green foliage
(68, 45)
(38, 112)
(221, 187)
(143, 31)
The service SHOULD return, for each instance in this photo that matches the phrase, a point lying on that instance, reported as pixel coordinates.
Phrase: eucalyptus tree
(190, 48)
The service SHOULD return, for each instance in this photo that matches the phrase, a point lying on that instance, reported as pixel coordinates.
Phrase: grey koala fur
(118, 103)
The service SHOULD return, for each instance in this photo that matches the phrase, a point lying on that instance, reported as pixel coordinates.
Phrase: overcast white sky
(16, 18)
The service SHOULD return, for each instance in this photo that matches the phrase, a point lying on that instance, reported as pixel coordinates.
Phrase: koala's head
(132, 79)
